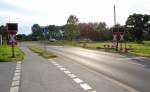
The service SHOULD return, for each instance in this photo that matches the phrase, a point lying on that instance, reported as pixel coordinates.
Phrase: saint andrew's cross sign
(12, 29)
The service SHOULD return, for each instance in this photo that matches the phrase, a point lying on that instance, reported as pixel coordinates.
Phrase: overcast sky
(45, 12)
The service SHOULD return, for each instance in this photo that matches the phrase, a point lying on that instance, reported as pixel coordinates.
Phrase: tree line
(137, 28)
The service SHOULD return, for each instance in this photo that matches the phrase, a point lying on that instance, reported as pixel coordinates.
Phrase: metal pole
(115, 25)
(1, 39)
(13, 50)
(114, 15)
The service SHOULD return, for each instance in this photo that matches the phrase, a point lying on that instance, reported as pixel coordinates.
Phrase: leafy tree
(22, 37)
(100, 31)
(85, 30)
(136, 25)
(54, 31)
(72, 28)
(36, 32)
(3, 32)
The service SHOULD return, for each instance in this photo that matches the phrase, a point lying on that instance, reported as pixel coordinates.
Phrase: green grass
(136, 48)
(6, 53)
(140, 49)
(42, 52)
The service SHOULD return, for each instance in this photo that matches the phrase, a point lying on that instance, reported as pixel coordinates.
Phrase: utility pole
(115, 26)
(114, 15)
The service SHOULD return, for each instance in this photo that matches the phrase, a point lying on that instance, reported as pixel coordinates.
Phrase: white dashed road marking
(16, 79)
(77, 80)
(15, 83)
(72, 75)
(59, 66)
(14, 89)
(17, 74)
(63, 69)
(67, 72)
(85, 86)
(82, 84)
(17, 71)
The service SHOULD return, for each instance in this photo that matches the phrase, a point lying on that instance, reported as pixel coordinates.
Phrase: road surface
(133, 72)
(60, 75)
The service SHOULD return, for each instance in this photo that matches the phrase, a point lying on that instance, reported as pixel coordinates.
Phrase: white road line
(15, 83)
(56, 64)
(17, 78)
(50, 60)
(14, 89)
(17, 71)
(59, 66)
(72, 75)
(17, 74)
(19, 62)
(67, 72)
(77, 80)
(63, 69)
(85, 86)
(17, 68)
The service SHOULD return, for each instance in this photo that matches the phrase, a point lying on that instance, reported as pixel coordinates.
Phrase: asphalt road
(39, 75)
(133, 72)
(61, 75)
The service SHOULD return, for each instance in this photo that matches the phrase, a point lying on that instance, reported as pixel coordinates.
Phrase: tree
(21, 37)
(72, 28)
(36, 32)
(3, 32)
(136, 25)
(85, 30)
(100, 31)
(54, 31)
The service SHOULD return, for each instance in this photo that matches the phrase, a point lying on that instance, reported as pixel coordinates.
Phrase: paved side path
(39, 75)
(6, 75)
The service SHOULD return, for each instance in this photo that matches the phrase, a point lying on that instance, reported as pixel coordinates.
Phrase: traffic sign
(12, 38)
(12, 28)
(45, 30)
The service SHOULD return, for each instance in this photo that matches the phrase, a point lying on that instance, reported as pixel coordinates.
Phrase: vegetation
(6, 53)
(42, 52)
(72, 28)
(137, 29)
(140, 49)
(137, 25)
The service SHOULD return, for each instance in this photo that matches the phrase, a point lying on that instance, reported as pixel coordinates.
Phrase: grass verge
(135, 48)
(6, 53)
(42, 52)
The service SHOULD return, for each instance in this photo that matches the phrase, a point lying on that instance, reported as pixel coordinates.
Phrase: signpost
(1, 39)
(45, 32)
(12, 29)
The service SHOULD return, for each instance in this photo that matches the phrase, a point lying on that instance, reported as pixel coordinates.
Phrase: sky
(49, 12)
